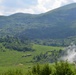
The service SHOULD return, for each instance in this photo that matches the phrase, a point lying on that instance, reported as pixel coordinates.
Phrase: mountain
(59, 23)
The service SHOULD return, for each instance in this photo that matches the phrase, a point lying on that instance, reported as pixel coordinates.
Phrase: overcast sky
(8, 7)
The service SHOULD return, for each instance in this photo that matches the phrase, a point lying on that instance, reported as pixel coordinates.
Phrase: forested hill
(56, 24)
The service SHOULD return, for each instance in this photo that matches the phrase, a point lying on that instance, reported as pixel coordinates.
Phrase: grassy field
(10, 59)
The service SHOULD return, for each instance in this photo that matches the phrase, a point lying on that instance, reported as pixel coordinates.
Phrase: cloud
(52, 4)
(1, 1)
(1, 7)
(8, 7)
(47, 5)
(13, 6)
(18, 3)
(74, 0)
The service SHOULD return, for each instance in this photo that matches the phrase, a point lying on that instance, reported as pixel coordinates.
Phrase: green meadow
(11, 59)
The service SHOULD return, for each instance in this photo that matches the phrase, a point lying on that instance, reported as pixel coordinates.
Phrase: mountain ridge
(55, 24)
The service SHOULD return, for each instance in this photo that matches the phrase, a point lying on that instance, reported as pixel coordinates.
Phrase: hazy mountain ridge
(58, 23)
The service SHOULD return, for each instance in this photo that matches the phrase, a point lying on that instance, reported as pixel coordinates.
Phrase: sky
(8, 7)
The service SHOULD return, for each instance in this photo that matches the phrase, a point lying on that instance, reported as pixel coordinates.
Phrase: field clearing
(11, 59)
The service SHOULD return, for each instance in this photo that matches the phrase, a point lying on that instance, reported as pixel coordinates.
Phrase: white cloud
(1, 1)
(8, 7)
(46, 5)
(58, 3)
(1, 13)
(74, 0)
(51, 4)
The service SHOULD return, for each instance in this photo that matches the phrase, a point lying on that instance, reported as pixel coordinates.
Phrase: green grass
(11, 59)
(43, 49)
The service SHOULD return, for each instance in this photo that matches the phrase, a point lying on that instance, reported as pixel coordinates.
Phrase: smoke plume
(70, 53)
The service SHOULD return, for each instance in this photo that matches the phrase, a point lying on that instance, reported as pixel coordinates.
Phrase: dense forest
(56, 25)
(14, 43)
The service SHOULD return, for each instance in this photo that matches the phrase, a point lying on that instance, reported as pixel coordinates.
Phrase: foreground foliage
(59, 68)
(13, 72)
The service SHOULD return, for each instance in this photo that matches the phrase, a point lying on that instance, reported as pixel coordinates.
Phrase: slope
(59, 23)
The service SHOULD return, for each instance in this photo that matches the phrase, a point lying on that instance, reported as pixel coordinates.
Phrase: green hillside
(59, 23)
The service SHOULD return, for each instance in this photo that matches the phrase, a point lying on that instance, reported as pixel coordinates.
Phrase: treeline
(49, 56)
(14, 43)
(56, 42)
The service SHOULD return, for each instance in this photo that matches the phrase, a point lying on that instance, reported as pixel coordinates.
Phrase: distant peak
(19, 14)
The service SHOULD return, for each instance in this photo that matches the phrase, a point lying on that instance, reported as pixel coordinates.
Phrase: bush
(13, 72)
(63, 68)
(59, 68)
(46, 70)
(37, 70)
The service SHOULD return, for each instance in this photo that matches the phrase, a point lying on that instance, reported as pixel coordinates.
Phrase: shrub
(13, 72)
(37, 70)
(63, 68)
(46, 70)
